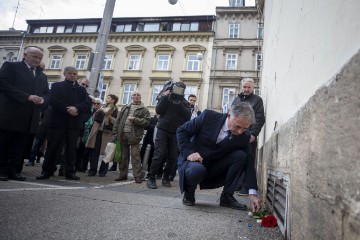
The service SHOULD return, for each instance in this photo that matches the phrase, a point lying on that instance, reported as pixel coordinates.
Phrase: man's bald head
(33, 56)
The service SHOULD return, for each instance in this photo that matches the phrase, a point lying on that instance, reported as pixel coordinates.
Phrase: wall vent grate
(277, 198)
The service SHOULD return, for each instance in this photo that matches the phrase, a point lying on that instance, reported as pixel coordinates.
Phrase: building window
(151, 27)
(86, 28)
(231, 61)
(234, 29)
(128, 89)
(79, 29)
(60, 29)
(185, 26)
(55, 62)
(140, 27)
(260, 31)
(90, 28)
(258, 62)
(103, 92)
(80, 62)
(163, 62)
(228, 98)
(47, 29)
(108, 59)
(68, 29)
(193, 64)
(236, 3)
(123, 28)
(156, 90)
(165, 26)
(134, 62)
(190, 90)
(10, 57)
(44, 29)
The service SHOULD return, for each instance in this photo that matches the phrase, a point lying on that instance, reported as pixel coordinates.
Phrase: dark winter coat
(17, 83)
(65, 94)
(258, 107)
(172, 115)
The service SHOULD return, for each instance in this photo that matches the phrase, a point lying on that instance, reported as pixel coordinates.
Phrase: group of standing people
(209, 149)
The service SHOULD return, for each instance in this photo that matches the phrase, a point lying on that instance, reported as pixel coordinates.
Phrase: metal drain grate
(277, 198)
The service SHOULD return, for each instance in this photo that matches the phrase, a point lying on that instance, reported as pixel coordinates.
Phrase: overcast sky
(61, 9)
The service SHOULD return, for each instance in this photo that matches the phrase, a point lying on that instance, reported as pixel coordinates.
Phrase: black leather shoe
(3, 177)
(166, 183)
(227, 200)
(16, 177)
(151, 183)
(72, 177)
(43, 176)
(91, 173)
(188, 199)
(30, 163)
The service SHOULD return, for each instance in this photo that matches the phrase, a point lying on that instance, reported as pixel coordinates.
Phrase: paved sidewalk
(100, 208)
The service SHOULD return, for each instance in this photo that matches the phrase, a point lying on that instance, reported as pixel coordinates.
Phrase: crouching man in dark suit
(214, 152)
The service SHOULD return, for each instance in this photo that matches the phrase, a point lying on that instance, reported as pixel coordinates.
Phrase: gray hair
(70, 69)
(243, 109)
(98, 100)
(245, 80)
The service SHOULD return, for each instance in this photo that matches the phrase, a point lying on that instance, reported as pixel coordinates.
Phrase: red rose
(269, 221)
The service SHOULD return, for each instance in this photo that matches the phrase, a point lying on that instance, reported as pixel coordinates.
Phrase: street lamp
(173, 2)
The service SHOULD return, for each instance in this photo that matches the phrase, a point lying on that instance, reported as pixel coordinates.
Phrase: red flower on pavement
(269, 221)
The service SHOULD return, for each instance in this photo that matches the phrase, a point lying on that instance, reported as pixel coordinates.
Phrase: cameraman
(174, 110)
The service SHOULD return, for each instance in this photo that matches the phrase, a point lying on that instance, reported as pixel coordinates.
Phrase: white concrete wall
(306, 42)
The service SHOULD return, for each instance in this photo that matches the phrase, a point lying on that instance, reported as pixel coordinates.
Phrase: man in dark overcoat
(214, 151)
(23, 91)
(248, 95)
(69, 102)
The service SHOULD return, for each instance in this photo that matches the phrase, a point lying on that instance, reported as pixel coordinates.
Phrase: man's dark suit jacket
(200, 135)
(17, 83)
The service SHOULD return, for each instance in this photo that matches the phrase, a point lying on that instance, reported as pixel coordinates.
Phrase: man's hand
(252, 138)
(131, 118)
(195, 157)
(72, 111)
(36, 99)
(167, 92)
(255, 202)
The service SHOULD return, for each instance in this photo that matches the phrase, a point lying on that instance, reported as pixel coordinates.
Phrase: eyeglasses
(84, 84)
(96, 103)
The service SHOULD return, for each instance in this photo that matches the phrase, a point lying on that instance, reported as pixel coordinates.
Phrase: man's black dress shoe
(72, 177)
(227, 200)
(30, 163)
(43, 176)
(3, 177)
(16, 177)
(188, 199)
(151, 183)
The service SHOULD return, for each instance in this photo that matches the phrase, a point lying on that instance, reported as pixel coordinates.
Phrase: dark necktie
(32, 71)
(225, 139)
(228, 136)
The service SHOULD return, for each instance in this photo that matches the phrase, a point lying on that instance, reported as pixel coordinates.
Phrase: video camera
(177, 90)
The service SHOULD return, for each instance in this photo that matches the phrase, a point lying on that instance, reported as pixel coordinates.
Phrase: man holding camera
(174, 110)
